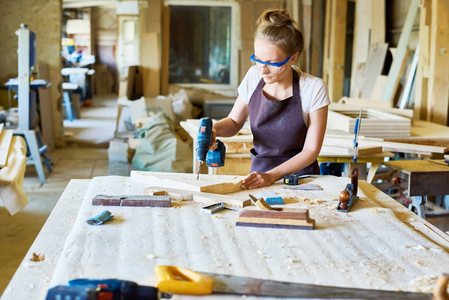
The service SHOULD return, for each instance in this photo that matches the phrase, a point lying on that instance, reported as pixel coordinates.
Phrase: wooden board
(374, 123)
(291, 219)
(132, 200)
(395, 73)
(5, 142)
(163, 180)
(207, 198)
(373, 69)
(347, 151)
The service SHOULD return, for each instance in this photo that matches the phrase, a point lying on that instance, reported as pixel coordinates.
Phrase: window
(202, 48)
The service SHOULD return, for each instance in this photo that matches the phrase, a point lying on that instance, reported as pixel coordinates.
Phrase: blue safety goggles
(278, 64)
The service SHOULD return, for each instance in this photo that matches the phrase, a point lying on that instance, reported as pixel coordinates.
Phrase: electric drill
(214, 158)
(104, 289)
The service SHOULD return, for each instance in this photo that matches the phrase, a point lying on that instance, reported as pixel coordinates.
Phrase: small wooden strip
(222, 188)
(5, 142)
(276, 219)
(287, 215)
(132, 200)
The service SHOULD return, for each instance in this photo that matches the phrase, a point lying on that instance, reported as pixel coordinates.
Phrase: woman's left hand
(257, 180)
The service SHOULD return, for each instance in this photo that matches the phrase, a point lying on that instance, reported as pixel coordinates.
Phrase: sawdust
(38, 257)
(423, 284)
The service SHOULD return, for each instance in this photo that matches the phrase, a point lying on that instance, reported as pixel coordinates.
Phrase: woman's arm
(309, 153)
(232, 124)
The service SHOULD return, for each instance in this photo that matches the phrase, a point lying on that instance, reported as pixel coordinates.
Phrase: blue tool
(93, 289)
(214, 158)
(356, 135)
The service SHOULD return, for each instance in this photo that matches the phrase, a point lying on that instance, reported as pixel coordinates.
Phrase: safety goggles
(274, 68)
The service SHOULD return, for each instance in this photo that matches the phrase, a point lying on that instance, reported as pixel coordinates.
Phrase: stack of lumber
(374, 123)
(12, 170)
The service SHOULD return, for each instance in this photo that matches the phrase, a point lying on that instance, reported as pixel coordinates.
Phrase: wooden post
(335, 37)
(438, 97)
(422, 72)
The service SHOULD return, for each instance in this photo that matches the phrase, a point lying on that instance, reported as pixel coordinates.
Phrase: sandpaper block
(287, 219)
(132, 200)
(270, 197)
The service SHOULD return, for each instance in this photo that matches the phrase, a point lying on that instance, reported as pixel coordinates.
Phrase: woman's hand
(257, 180)
(213, 143)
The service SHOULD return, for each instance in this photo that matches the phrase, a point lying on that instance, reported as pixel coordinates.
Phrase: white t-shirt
(313, 91)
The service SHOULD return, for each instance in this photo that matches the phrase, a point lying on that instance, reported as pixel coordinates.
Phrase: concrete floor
(85, 156)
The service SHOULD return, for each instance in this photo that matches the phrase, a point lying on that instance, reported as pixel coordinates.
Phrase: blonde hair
(276, 26)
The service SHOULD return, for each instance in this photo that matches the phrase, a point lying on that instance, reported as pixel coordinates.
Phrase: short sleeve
(320, 96)
(249, 84)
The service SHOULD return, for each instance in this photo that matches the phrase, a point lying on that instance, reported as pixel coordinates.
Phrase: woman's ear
(294, 57)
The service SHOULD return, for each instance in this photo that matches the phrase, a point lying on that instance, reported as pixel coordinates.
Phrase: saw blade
(227, 284)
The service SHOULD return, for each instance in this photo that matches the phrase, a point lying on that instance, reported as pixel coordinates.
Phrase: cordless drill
(214, 158)
(104, 289)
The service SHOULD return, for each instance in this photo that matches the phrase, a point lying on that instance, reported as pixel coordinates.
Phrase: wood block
(5, 142)
(132, 200)
(287, 219)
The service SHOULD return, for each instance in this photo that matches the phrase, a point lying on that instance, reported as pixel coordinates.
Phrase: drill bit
(198, 168)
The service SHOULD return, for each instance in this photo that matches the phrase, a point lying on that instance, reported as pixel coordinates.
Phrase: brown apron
(278, 129)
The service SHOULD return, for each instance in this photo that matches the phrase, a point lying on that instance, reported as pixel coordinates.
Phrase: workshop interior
(114, 185)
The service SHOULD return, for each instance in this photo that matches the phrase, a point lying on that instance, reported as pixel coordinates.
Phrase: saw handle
(179, 280)
(440, 288)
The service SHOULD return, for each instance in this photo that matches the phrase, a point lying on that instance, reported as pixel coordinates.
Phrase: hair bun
(278, 17)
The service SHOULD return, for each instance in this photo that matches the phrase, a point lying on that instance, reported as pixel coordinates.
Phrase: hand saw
(178, 280)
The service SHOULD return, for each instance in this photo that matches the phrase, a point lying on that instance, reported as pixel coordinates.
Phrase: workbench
(429, 177)
(379, 244)
(238, 160)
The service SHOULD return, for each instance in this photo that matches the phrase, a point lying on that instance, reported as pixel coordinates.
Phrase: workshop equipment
(274, 217)
(103, 289)
(178, 280)
(132, 200)
(358, 121)
(271, 197)
(293, 179)
(100, 218)
(348, 197)
(213, 159)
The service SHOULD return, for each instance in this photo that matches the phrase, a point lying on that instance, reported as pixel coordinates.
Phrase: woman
(287, 108)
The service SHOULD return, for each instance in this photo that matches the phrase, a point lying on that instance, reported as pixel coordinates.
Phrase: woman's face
(267, 51)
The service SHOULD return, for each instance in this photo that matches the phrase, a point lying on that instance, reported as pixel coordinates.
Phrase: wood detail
(293, 219)
(199, 186)
(5, 143)
(199, 197)
(132, 200)
(429, 183)
(374, 123)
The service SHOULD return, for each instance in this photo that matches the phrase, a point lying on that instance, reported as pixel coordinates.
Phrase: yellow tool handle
(178, 280)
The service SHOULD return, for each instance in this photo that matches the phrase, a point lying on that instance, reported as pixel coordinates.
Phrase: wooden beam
(5, 143)
(422, 72)
(333, 72)
(438, 98)
(394, 75)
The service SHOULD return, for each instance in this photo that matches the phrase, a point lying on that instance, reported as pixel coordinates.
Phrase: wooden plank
(438, 98)
(360, 45)
(5, 143)
(394, 75)
(298, 219)
(316, 46)
(422, 72)
(333, 71)
(132, 200)
(165, 49)
(198, 186)
(348, 151)
(377, 20)
(356, 104)
(150, 64)
(373, 69)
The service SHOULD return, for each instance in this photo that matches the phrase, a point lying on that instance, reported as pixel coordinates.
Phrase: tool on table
(293, 179)
(348, 197)
(271, 197)
(262, 204)
(101, 218)
(355, 145)
(102, 289)
(132, 200)
(214, 158)
(211, 209)
(178, 280)
(305, 187)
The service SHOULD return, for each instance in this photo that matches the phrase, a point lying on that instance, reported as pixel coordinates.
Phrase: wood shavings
(37, 257)
(422, 248)
(151, 256)
(423, 284)
(377, 210)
